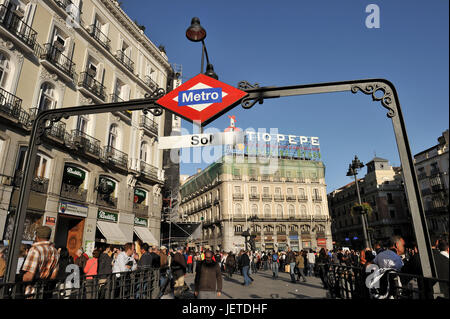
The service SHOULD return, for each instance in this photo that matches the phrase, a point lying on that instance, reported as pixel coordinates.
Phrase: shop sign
(293, 237)
(140, 222)
(107, 216)
(72, 209)
(50, 221)
(321, 242)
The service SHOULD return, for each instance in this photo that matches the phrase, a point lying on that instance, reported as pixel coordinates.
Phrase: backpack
(275, 257)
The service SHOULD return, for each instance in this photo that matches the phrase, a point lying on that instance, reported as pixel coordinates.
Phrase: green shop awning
(73, 175)
(106, 185)
(140, 195)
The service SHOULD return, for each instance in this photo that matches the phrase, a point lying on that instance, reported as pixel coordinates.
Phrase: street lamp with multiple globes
(353, 171)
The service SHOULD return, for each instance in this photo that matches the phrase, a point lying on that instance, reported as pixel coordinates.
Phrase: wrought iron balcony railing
(125, 60)
(38, 184)
(291, 198)
(98, 35)
(73, 192)
(278, 198)
(15, 25)
(10, 105)
(317, 199)
(53, 54)
(238, 196)
(266, 197)
(254, 196)
(149, 171)
(86, 142)
(148, 124)
(106, 200)
(88, 82)
(140, 210)
(150, 82)
(115, 156)
(114, 98)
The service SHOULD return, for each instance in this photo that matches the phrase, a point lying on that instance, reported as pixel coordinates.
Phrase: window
(21, 158)
(238, 210)
(301, 192)
(40, 169)
(82, 124)
(267, 212)
(291, 211)
(266, 190)
(392, 213)
(5, 70)
(47, 97)
(112, 136)
(279, 211)
(278, 190)
(143, 152)
(237, 189)
(316, 193)
(303, 210)
(253, 189)
(390, 199)
(290, 191)
(238, 228)
(254, 210)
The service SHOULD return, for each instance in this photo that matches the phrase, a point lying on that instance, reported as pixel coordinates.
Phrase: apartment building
(432, 171)
(382, 188)
(281, 205)
(98, 178)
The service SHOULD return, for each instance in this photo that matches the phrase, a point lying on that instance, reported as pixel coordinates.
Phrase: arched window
(279, 211)
(112, 136)
(143, 151)
(254, 210)
(5, 71)
(238, 228)
(267, 212)
(291, 211)
(238, 210)
(301, 193)
(318, 210)
(303, 210)
(47, 97)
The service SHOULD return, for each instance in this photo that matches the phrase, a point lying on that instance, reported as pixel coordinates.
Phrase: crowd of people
(43, 260)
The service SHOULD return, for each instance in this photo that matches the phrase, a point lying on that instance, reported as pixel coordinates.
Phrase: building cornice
(128, 24)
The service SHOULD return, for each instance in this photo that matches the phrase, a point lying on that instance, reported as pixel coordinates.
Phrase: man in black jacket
(244, 261)
(208, 278)
(441, 260)
(146, 258)
(178, 266)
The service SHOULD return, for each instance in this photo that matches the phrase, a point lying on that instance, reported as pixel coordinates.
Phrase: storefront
(306, 241)
(321, 243)
(108, 230)
(70, 226)
(142, 232)
(282, 242)
(294, 242)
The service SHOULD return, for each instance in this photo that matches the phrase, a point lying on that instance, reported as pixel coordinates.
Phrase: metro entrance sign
(202, 99)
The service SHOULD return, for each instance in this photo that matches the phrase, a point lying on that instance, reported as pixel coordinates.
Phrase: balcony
(98, 35)
(267, 197)
(278, 198)
(125, 60)
(89, 85)
(73, 192)
(288, 179)
(149, 125)
(106, 200)
(53, 58)
(276, 178)
(10, 108)
(422, 176)
(57, 131)
(17, 29)
(38, 184)
(434, 171)
(302, 198)
(238, 196)
(317, 199)
(291, 198)
(216, 201)
(265, 178)
(150, 83)
(237, 177)
(253, 178)
(149, 171)
(116, 157)
(140, 210)
(87, 143)
(254, 197)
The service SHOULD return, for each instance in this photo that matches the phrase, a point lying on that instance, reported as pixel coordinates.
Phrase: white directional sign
(195, 140)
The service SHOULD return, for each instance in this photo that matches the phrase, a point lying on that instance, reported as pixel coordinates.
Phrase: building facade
(382, 188)
(282, 205)
(432, 171)
(98, 178)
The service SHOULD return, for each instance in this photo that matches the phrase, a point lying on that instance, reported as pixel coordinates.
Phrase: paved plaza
(264, 287)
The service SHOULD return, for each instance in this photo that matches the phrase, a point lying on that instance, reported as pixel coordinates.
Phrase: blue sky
(279, 43)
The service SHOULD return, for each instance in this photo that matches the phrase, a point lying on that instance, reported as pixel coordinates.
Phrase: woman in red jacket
(189, 262)
(91, 270)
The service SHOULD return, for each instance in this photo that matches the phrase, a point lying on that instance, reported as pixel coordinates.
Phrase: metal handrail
(125, 60)
(98, 35)
(90, 83)
(14, 24)
(55, 56)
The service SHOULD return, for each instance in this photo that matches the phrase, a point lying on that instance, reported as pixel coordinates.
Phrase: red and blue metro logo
(202, 99)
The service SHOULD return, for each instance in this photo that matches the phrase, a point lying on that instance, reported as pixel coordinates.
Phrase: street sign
(196, 140)
(202, 99)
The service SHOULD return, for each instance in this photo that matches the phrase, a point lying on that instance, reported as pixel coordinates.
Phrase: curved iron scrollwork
(154, 108)
(46, 123)
(373, 88)
(249, 102)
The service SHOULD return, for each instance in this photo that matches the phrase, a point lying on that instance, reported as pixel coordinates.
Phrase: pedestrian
(91, 269)
(64, 260)
(290, 260)
(178, 267)
(390, 258)
(300, 264)
(223, 261)
(323, 263)
(80, 259)
(2, 264)
(208, 278)
(441, 257)
(265, 261)
(123, 265)
(190, 261)
(311, 262)
(24, 248)
(245, 265)
(275, 264)
(105, 264)
(156, 259)
(230, 264)
(146, 260)
(41, 262)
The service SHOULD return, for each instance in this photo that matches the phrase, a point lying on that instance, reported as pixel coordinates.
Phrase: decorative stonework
(9, 47)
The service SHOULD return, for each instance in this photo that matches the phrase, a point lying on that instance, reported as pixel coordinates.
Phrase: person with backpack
(275, 265)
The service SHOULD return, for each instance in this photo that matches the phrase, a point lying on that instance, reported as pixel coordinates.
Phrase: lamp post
(353, 171)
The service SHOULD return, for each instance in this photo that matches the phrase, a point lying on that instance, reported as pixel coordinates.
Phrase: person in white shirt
(391, 258)
(311, 261)
(125, 260)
